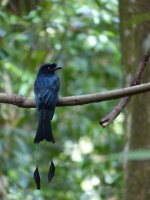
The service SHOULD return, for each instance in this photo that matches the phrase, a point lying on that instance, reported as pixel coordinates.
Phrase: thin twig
(136, 80)
(21, 101)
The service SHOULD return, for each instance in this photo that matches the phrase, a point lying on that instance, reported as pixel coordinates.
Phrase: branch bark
(136, 80)
(23, 102)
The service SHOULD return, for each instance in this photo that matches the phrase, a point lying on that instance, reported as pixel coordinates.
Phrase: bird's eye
(48, 68)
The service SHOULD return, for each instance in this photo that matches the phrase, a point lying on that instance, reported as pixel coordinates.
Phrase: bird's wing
(46, 92)
(51, 94)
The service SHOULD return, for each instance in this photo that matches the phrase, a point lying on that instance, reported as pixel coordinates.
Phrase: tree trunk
(135, 39)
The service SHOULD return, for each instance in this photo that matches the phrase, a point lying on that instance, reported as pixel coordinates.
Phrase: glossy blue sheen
(46, 89)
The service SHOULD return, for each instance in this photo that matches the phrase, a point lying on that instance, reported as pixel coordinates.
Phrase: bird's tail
(44, 130)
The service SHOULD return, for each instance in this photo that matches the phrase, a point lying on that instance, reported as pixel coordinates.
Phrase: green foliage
(81, 36)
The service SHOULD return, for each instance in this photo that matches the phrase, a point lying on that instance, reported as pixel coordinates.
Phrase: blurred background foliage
(83, 37)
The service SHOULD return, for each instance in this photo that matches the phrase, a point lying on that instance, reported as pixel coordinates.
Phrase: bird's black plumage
(46, 89)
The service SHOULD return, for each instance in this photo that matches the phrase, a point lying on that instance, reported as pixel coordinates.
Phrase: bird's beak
(57, 68)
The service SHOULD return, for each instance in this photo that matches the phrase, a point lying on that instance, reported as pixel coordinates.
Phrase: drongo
(46, 89)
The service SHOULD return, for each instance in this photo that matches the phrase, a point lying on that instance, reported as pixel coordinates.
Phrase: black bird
(46, 89)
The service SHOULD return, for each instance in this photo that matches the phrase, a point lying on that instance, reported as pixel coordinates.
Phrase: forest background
(84, 38)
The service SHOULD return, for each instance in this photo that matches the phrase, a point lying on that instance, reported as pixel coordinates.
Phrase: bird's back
(46, 89)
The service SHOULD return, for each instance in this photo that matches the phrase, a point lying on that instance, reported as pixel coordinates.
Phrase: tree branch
(136, 80)
(23, 102)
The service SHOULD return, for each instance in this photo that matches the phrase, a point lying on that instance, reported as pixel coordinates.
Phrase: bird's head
(48, 68)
